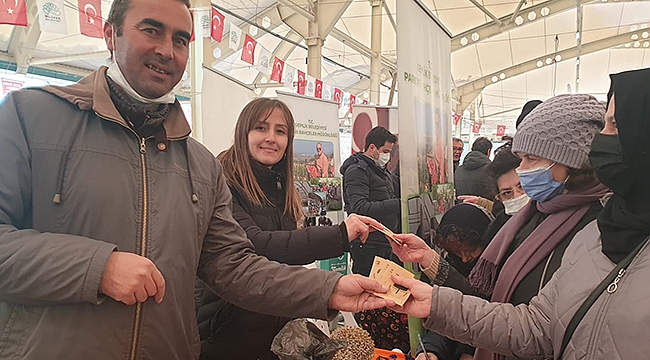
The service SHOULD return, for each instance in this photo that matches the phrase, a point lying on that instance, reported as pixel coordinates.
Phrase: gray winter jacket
(76, 183)
(613, 328)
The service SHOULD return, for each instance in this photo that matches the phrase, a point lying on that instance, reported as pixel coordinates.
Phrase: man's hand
(131, 278)
(351, 293)
(359, 227)
(413, 249)
(430, 357)
(419, 303)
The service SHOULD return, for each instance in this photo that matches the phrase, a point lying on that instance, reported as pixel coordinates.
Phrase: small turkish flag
(364, 102)
(501, 130)
(278, 67)
(337, 95)
(216, 31)
(476, 128)
(318, 93)
(456, 118)
(248, 51)
(90, 18)
(13, 13)
(302, 82)
(353, 101)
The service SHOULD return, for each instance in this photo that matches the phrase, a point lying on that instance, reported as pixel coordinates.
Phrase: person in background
(368, 190)
(605, 268)
(566, 196)
(109, 210)
(457, 147)
(471, 178)
(259, 172)
(460, 234)
(322, 162)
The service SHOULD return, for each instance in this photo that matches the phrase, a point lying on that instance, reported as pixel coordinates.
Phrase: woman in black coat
(259, 172)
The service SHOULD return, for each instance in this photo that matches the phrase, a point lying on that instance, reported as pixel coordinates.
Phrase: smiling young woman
(259, 170)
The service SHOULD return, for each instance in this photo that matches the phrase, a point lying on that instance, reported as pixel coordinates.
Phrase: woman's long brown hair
(236, 160)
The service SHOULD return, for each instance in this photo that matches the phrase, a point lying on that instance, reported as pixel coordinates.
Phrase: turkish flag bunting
(353, 100)
(248, 51)
(456, 118)
(278, 67)
(501, 130)
(476, 128)
(216, 31)
(13, 12)
(337, 95)
(318, 93)
(90, 18)
(365, 102)
(302, 82)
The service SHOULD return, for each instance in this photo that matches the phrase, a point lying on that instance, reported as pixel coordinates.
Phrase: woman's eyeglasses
(508, 194)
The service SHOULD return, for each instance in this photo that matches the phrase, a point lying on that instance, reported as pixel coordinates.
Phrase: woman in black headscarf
(596, 305)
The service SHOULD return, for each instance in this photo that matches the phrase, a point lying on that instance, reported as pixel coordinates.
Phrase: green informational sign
(338, 264)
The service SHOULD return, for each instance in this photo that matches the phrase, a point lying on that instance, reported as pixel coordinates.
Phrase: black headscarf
(625, 221)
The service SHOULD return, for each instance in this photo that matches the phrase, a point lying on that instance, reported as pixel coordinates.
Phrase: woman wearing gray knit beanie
(553, 142)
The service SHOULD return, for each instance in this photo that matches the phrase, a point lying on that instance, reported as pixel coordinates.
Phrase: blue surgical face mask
(538, 183)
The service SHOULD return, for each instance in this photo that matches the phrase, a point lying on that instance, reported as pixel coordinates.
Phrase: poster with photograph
(316, 155)
(424, 75)
(425, 104)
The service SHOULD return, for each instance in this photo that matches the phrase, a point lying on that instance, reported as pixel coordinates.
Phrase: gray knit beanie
(561, 129)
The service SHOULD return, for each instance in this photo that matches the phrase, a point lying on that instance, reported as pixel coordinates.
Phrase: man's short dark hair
(117, 14)
(378, 136)
(455, 139)
(482, 144)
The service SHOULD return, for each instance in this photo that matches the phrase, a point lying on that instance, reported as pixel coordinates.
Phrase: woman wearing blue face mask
(553, 143)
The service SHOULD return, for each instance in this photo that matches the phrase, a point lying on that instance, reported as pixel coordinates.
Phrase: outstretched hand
(413, 249)
(352, 293)
(359, 227)
(419, 303)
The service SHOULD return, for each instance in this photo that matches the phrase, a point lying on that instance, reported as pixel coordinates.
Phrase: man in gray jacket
(108, 208)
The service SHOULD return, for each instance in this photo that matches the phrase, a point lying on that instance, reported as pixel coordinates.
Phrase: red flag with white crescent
(216, 32)
(337, 95)
(353, 101)
(90, 18)
(302, 82)
(13, 12)
(501, 130)
(318, 92)
(248, 51)
(456, 119)
(278, 67)
(476, 128)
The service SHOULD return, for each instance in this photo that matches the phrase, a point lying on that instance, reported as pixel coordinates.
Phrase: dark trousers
(364, 254)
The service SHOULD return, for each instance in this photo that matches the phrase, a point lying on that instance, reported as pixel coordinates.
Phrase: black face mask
(606, 158)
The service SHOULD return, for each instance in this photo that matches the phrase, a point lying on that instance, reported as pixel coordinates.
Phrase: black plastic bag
(300, 339)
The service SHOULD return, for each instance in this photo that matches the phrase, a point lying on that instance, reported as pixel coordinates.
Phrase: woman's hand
(413, 249)
(359, 227)
(419, 303)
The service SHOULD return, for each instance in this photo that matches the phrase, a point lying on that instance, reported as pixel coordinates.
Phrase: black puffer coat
(230, 332)
(368, 190)
(471, 178)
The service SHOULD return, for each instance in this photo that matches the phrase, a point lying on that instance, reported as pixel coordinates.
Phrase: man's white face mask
(116, 75)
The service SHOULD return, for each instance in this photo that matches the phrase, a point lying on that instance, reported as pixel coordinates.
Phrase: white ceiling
(507, 51)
